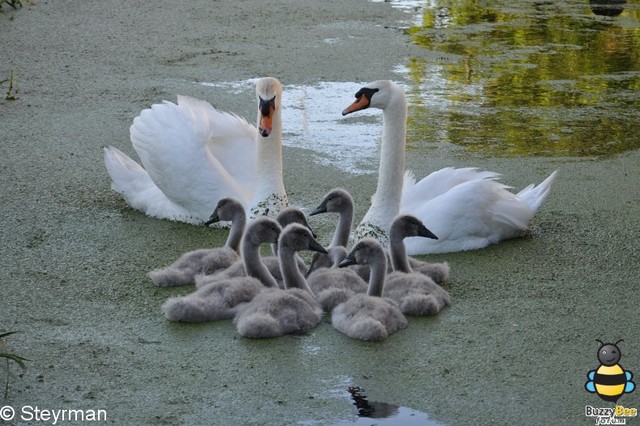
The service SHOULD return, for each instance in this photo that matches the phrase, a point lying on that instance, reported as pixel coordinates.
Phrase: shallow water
(383, 414)
(506, 79)
(312, 119)
(526, 78)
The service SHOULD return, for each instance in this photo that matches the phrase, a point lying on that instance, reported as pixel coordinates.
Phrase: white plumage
(194, 155)
(466, 208)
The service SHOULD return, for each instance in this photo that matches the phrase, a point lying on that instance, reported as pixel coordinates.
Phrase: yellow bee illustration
(609, 381)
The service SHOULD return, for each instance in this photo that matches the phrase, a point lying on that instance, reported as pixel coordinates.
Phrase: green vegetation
(9, 357)
(545, 79)
(13, 3)
(11, 96)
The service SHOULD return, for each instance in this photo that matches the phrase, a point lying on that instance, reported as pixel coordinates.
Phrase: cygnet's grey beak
(213, 219)
(316, 246)
(347, 261)
(320, 209)
(427, 234)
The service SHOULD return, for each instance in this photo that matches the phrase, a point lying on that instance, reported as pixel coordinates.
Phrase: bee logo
(609, 381)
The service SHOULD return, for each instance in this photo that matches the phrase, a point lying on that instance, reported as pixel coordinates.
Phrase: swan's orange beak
(267, 109)
(361, 103)
(266, 124)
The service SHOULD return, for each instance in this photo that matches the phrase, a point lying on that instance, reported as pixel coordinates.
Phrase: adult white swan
(466, 208)
(194, 155)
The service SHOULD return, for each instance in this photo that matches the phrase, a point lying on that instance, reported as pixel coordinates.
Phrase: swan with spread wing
(194, 155)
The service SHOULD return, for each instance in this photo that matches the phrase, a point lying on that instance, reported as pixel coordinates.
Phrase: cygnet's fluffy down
(285, 217)
(206, 261)
(415, 293)
(221, 299)
(334, 285)
(191, 264)
(217, 301)
(368, 316)
(437, 271)
(277, 312)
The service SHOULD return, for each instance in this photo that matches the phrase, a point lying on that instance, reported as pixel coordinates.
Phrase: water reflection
(526, 78)
(607, 7)
(384, 414)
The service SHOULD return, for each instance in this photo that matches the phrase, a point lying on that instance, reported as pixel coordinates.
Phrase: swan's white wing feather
(470, 215)
(534, 196)
(439, 182)
(195, 154)
(134, 183)
(232, 140)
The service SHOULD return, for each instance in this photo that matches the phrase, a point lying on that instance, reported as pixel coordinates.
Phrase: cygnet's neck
(291, 275)
(398, 251)
(336, 255)
(238, 223)
(253, 265)
(378, 271)
(341, 235)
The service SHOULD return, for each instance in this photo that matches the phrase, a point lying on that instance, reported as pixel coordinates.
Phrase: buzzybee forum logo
(610, 381)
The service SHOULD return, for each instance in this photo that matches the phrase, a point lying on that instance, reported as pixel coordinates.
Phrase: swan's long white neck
(385, 203)
(269, 168)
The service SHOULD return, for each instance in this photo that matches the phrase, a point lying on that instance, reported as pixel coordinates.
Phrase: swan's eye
(366, 92)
